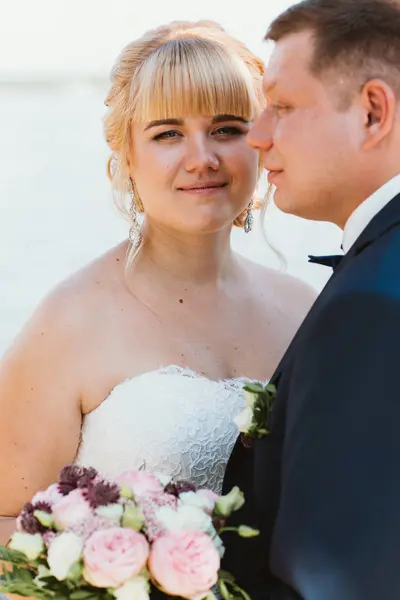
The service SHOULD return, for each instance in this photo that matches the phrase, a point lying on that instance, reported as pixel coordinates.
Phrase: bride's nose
(201, 155)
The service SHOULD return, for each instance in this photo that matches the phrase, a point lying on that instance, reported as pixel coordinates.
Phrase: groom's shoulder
(376, 266)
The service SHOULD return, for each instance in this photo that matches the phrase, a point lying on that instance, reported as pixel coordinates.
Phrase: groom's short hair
(360, 38)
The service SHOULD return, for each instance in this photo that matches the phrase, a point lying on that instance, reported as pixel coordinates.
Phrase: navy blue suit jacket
(324, 485)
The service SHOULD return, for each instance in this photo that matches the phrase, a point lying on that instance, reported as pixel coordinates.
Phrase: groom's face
(308, 139)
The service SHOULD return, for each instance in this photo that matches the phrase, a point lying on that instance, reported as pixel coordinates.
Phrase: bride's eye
(167, 135)
(229, 130)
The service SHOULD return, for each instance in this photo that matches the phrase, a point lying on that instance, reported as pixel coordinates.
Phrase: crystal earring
(135, 235)
(249, 220)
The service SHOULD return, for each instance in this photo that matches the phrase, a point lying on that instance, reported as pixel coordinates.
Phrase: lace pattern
(171, 420)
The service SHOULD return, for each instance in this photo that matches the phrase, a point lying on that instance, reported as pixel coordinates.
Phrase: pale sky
(61, 37)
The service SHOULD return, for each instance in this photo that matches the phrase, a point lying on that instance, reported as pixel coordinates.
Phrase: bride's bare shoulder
(72, 305)
(294, 295)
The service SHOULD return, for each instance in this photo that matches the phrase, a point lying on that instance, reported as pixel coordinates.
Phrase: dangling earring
(135, 235)
(249, 220)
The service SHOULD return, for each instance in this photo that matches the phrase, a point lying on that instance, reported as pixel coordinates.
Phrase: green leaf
(226, 575)
(271, 388)
(52, 584)
(237, 592)
(43, 595)
(81, 595)
(211, 596)
(254, 388)
(23, 589)
(22, 575)
(49, 579)
(12, 556)
(6, 578)
(225, 593)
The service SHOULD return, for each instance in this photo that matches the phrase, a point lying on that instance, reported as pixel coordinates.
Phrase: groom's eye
(280, 109)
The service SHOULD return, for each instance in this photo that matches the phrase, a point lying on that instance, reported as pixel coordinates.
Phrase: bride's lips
(203, 189)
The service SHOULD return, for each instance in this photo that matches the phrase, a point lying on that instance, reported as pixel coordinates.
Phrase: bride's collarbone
(204, 358)
(133, 342)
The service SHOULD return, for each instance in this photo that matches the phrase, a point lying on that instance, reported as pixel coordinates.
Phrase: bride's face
(196, 174)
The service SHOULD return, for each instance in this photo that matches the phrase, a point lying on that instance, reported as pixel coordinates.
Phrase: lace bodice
(171, 421)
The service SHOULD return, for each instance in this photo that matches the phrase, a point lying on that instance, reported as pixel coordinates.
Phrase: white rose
(197, 499)
(112, 512)
(188, 518)
(244, 420)
(164, 479)
(42, 572)
(249, 398)
(30, 545)
(65, 550)
(135, 589)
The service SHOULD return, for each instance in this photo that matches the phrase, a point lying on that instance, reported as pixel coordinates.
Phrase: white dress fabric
(171, 421)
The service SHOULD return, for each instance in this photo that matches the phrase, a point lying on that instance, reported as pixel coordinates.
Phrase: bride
(137, 360)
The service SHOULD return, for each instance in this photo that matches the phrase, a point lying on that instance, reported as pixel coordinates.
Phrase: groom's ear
(379, 104)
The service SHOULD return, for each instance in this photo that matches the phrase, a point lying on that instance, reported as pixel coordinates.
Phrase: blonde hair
(181, 69)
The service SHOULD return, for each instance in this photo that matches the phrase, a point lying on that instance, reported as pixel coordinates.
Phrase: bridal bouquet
(89, 538)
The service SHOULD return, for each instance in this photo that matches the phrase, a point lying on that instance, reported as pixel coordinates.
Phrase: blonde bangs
(192, 76)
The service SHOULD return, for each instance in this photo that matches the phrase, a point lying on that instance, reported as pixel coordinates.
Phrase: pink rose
(72, 509)
(50, 496)
(112, 556)
(185, 563)
(141, 483)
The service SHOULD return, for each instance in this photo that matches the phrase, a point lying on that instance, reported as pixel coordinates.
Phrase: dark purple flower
(219, 523)
(43, 506)
(87, 477)
(73, 476)
(101, 493)
(179, 487)
(28, 522)
(69, 478)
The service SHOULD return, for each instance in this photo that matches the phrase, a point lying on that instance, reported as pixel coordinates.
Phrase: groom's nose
(260, 135)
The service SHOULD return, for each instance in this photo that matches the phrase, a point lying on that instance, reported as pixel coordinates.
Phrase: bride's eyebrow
(223, 118)
(180, 122)
(163, 122)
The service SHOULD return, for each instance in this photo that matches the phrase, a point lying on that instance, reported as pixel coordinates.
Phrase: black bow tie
(329, 261)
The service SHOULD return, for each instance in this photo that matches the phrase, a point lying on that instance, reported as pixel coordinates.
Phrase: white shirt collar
(366, 211)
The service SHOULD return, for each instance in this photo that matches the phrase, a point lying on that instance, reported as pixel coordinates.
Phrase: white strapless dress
(171, 421)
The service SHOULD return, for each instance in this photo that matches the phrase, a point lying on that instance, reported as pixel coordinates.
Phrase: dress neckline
(233, 384)
(176, 370)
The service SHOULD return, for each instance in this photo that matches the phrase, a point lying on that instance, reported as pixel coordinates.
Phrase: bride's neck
(202, 259)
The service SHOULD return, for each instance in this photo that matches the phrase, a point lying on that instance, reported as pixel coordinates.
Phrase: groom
(323, 486)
